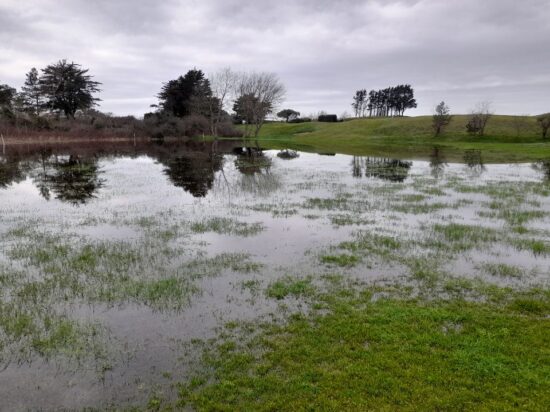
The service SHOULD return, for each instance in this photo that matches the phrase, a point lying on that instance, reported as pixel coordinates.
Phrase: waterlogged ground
(115, 264)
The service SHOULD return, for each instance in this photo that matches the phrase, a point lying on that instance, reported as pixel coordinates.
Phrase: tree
(31, 93)
(544, 122)
(479, 118)
(288, 114)
(7, 94)
(441, 117)
(258, 93)
(189, 94)
(68, 88)
(359, 104)
(223, 85)
(7, 97)
(244, 108)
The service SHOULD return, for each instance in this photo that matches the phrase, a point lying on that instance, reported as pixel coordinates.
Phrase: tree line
(391, 101)
(196, 104)
(188, 105)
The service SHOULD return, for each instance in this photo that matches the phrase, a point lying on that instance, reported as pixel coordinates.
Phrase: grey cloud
(461, 51)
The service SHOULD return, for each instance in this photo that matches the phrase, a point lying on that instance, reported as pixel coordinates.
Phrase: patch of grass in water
(343, 260)
(347, 219)
(535, 246)
(227, 226)
(290, 286)
(462, 237)
(502, 270)
(513, 217)
(371, 242)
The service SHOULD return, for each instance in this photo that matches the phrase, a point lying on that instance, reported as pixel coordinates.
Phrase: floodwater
(114, 258)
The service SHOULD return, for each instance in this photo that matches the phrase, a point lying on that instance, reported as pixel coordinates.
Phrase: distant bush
(300, 120)
(330, 118)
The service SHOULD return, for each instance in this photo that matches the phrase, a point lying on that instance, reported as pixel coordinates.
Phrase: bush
(330, 118)
(300, 120)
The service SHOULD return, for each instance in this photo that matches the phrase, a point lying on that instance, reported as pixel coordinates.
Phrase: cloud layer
(458, 51)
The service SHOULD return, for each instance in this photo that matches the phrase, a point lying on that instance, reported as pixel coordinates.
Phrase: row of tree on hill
(391, 101)
(479, 117)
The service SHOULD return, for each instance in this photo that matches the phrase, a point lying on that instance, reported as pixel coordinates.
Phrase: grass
(290, 286)
(462, 237)
(227, 226)
(385, 354)
(410, 136)
(502, 270)
(343, 260)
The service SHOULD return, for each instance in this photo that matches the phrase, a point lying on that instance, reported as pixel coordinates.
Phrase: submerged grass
(227, 226)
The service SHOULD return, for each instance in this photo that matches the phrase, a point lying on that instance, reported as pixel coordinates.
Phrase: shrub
(330, 118)
(300, 120)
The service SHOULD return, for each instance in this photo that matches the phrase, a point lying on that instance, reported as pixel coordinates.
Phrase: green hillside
(507, 138)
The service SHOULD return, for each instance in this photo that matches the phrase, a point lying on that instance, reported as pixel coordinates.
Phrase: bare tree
(544, 122)
(223, 84)
(479, 118)
(259, 94)
(441, 117)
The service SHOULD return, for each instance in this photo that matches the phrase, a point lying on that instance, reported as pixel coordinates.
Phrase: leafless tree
(479, 118)
(263, 92)
(223, 84)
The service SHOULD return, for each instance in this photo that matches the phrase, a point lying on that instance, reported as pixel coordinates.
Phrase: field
(507, 138)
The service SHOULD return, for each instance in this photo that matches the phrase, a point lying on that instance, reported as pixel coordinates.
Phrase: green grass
(384, 354)
(410, 137)
(289, 286)
(340, 260)
(502, 270)
(227, 226)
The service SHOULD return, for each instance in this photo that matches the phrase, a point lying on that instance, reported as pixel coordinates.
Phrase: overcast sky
(460, 51)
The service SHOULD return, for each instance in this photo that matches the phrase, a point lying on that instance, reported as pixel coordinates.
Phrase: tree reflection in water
(437, 162)
(194, 171)
(474, 161)
(255, 167)
(73, 180)
(393, 170)
(11, 171)
(543, 166)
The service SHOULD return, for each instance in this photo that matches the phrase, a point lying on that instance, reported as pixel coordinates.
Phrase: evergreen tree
(189, 94)
(68, 88)
(31, 93)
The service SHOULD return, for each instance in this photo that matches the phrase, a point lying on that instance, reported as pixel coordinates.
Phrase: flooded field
(115, 262)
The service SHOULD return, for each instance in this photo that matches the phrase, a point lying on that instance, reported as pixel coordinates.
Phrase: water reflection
(72, 174)
(544, 167)
(11, 171)
(393, 170)
(255, 168)
(251, 160)
(288, 154)
(437, 162)
(194, 171)
(474, 161)
(73, 180)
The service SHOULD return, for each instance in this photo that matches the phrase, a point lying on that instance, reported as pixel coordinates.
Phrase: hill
(507, 138)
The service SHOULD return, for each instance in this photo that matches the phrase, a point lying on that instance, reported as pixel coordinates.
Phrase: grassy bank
(507, 138)
(361, 351)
